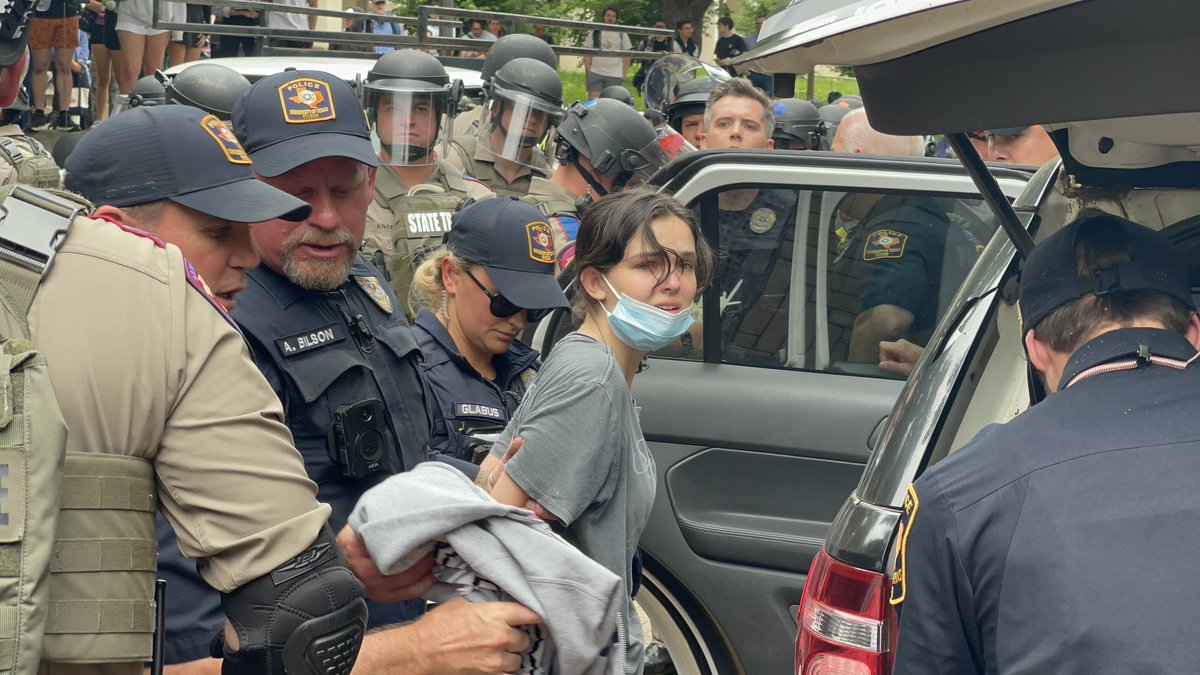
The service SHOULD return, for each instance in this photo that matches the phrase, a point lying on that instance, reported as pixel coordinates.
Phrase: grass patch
(574, 88)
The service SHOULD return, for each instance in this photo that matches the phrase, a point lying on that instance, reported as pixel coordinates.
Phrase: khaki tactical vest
(76, 529)
(420, 217)
(31, 162)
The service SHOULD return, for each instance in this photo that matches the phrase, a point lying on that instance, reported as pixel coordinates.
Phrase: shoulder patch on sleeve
(911, 504)
(198, 283)
(884, 244)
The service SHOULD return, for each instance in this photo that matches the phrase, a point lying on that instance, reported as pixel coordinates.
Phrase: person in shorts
(54, 27)
(145, 46)
(106, 53)
(189, 45)
(606, 71)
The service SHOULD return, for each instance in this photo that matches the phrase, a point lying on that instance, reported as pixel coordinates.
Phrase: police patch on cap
(224, 137)
(911, 504)
(305, 100)
(541, 242)
(762, 220)
(375, 291)
(884, 244)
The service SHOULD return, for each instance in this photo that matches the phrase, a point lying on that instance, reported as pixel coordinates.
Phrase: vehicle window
(814, 279)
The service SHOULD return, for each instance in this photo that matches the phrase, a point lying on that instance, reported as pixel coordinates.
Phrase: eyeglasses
(502, 308)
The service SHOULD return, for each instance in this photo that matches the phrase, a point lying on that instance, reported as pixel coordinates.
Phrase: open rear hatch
(1113, 80)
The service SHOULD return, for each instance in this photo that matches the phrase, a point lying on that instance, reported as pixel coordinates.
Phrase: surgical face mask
(645, 327)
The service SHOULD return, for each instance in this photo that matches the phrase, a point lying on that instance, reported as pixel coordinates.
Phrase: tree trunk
(687, 10)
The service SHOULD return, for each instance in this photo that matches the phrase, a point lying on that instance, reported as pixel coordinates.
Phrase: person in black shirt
(682, 43)
(539, 31)
(729, 44)
(654, 43)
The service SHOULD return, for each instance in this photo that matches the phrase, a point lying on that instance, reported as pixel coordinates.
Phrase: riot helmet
(211, 87)
(524, 103)
(798, 125)
(618, 93)
(405, 95)
(686, 112)
(831, 115)
(515, 46)
(148, 91)
(616, 141)
(669, 73)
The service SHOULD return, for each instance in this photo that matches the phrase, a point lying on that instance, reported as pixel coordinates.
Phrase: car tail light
(847, 626)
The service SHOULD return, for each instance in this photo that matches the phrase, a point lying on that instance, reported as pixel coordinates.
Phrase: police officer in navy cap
(1065, 540)
(327, 332)
(493, 276)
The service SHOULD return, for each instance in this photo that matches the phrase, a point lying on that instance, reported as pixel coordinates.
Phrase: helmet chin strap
(414, 153)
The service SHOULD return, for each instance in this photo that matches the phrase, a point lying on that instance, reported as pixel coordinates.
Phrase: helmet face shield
(405, 121)
(515, 124)
(670, 71)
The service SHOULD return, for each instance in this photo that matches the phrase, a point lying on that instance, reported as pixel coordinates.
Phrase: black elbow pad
(307, 617)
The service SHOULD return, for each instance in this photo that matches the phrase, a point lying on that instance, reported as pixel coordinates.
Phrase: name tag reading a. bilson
(297, 344)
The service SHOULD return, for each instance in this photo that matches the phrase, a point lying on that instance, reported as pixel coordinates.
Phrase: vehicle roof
(257, 67)
(1082, 67)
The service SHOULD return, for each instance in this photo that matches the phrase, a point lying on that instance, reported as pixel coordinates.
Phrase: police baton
(160, 626)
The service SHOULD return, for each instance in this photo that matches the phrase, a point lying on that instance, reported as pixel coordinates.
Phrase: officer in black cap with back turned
(1065, 540)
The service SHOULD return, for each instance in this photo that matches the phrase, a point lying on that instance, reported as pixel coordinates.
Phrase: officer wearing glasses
(493, 275)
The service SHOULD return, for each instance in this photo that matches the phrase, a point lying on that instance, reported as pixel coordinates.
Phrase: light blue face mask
(645, 327)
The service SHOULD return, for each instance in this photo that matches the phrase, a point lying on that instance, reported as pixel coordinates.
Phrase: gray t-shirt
(585, 461)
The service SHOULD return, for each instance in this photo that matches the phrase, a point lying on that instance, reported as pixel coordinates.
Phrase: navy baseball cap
(179, 153)
(297, 116)
(1049, 278)
(1008, 132)
(515, 244)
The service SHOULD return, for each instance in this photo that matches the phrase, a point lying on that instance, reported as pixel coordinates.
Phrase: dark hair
(616, 219)
(615, 11)
(659, 20)
(481, 22)
(681, 23)
(725, 21)
(1100, 247)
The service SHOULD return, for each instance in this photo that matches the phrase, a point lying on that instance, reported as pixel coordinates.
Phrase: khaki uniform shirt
(394, 240)
(466, 156)
(144, 365)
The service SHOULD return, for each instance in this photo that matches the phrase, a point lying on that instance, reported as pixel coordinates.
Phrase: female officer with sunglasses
(493, 275)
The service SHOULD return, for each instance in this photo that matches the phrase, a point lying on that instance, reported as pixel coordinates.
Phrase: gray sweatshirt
(507, 549)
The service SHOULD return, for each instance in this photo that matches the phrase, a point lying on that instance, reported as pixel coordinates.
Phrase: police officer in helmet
(148, 91)
(685, 113)
(406, 95)
(251, 518)
(601, 146)
(506, 48)
(524, 104)
(211, 87)
(798, 125)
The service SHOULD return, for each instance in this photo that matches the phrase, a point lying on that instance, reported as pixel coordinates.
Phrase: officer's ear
(770, 143)
(449, 276)
(371, 170)
(1045, 360)
(1193, 332)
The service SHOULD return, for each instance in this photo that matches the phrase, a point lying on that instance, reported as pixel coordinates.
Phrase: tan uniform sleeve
(144, 365)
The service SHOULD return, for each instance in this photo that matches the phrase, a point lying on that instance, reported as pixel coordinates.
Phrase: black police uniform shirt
(753, 242)
(907, 253)
(463, 400)
(1064, 541)
(320, 351)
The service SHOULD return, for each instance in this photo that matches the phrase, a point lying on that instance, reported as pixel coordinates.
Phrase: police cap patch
(224, 137)
(541, 242)
(305, 100)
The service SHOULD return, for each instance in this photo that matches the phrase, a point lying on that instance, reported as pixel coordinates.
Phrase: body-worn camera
(359, 442)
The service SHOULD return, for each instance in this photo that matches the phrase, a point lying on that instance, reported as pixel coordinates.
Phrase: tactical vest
(77, 544)
(33, 167)
(420, 217)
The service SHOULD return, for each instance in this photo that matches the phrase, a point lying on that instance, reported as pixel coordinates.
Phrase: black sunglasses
(502, 308)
